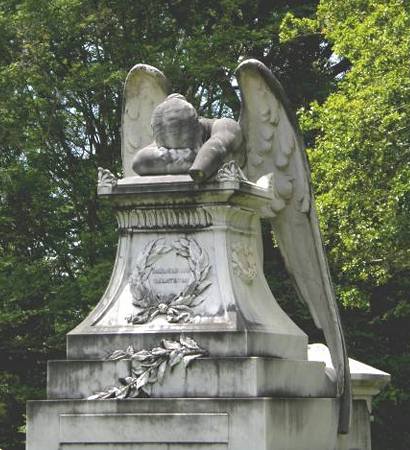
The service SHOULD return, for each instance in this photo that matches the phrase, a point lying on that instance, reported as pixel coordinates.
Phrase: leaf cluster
(150, 366)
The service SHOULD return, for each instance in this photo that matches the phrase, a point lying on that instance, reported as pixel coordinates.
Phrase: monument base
(175, 423)
(195, 424)
(235, 403)
(206, 377)
(221, 344)
(189, 278)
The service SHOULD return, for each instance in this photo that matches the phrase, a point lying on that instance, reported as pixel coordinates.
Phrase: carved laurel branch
(149, 367)
(230, 171)
(177, 307)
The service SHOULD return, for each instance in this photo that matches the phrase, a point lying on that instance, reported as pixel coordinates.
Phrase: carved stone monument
(188, 349)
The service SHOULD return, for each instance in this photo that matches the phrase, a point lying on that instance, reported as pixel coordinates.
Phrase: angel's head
(175, 124)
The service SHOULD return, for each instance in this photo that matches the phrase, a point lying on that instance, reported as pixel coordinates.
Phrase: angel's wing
(275, 150)
(145, 88)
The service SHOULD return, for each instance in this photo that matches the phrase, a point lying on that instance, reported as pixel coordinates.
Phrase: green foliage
(361, 172)
(296, 27)
(62, 66)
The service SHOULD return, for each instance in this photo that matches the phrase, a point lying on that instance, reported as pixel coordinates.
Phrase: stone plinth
(217, 403)
(194, 424)
(207, 377)
(203, 241)
(367, 382)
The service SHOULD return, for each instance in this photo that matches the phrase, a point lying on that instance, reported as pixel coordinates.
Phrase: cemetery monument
(188, 348)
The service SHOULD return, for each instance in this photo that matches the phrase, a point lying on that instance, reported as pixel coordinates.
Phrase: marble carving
(188, 285)
(264, 147)
(175, 306)
(150, 366)
(243, 262)
(230, 171)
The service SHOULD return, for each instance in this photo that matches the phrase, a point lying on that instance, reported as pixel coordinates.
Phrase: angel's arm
(154, 160)
(225, 136)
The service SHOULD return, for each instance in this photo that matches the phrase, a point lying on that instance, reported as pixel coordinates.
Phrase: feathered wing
(145, 88)
(275, 150)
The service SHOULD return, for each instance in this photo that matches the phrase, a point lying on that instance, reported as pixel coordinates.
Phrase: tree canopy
(360, 161)
(344, 66)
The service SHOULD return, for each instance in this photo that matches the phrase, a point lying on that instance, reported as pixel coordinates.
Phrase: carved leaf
(142, 380)
(201, 288)
(138, 371)
(161, 371)
(153, 378)
(171, 345)
(164, 249)
(118, 354)
(174, 358)
(98, 396)
(142, 355)
(126, 381)
(182, 308)
(194, 250)
(205, 273)
(159, 351)
(189, 291)
(130, 350)
(188, 342)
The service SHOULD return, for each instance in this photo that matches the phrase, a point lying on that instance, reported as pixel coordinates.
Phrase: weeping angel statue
(163, 135)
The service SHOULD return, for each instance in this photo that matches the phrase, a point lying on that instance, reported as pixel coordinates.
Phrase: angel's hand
(210, 158)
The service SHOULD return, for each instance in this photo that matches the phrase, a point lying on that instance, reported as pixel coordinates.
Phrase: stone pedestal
(189, 262)
(216, 403)
(176, 236)
(189, 424)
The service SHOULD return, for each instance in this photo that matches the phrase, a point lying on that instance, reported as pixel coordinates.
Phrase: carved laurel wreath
(175, 307)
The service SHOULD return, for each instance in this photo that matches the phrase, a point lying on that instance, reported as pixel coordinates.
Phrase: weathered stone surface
(267, 144)
(206, 377)
(240, 424)
(78, 379)
(97, 343)
(367, 382)
(189, 259)
(144, 428)
(359, 437)
(125, 446)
